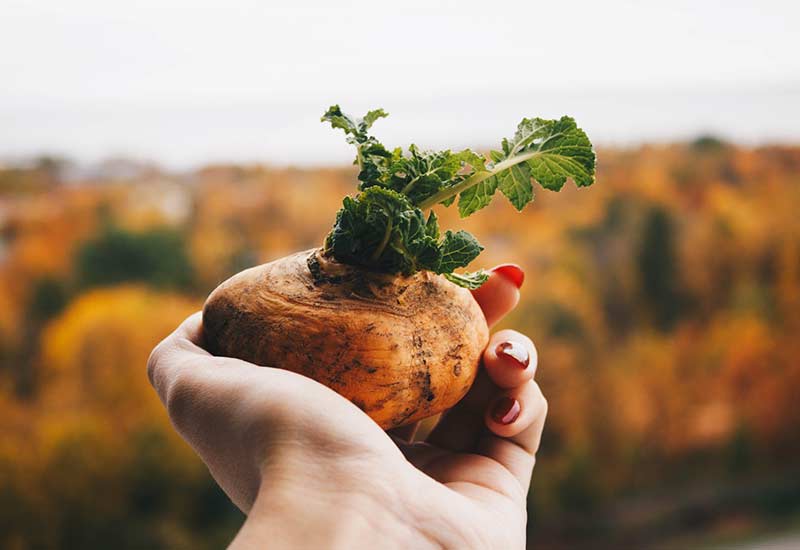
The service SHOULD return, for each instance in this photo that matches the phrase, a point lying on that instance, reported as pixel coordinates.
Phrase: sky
(189, 82)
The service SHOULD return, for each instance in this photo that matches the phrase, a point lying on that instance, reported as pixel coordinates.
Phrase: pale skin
(311, 470)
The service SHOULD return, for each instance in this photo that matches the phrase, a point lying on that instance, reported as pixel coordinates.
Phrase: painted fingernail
(516, 352)
(512, 272)
(506, 410)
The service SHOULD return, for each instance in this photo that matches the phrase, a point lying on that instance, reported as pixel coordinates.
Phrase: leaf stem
(474, 179)
(410, 186)
(383, 243)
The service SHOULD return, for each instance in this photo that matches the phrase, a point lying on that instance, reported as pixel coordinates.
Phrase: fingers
(510, 359)
(516, 419)
(500, 293)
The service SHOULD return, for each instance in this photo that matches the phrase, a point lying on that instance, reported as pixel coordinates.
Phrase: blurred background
(149, 150)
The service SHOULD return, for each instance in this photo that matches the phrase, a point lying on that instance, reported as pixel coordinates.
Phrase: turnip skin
(400, 348)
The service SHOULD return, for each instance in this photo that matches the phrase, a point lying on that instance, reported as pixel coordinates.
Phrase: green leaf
(515, 184)
(381, 230)
(458, 250)
(476, 197)
(374, 157)
(560, 150)
(432, 226)
(411, 240)
(338, 119)
(422, 174)
(547, 151)
(468, 280)
(354, 127)
(353, 237)
(473, 159)
(371, 117)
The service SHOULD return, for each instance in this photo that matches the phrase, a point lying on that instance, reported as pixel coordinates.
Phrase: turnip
(378, 313)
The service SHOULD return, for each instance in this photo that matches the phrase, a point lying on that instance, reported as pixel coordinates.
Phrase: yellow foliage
(95, 352)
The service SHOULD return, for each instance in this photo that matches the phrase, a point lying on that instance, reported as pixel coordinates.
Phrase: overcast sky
(186, 82)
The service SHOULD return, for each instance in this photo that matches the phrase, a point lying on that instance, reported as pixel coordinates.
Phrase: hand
(311, 470)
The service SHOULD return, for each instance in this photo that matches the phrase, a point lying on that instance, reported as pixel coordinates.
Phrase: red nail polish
(512, 272)
(514, 351)
(506, 410)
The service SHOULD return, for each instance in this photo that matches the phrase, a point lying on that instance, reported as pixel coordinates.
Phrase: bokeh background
(150, 150)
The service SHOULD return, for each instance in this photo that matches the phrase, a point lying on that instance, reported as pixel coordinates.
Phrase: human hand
(313, 471)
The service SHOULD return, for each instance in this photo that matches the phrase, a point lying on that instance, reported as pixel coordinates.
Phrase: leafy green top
(384, 227)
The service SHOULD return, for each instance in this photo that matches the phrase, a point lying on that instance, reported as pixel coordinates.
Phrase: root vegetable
(400, 348)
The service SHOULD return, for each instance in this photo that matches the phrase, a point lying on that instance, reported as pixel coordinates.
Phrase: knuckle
(179, 397)
(154, 362)
(170, 375)
(541, 400)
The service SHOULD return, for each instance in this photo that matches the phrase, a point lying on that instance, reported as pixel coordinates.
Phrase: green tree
(157, 257)
(658, 268)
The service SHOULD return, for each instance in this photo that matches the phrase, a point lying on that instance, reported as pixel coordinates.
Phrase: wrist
(331, 507)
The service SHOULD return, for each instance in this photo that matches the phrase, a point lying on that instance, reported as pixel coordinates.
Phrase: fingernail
(506, 410)
(514, 351)
(512, 272)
